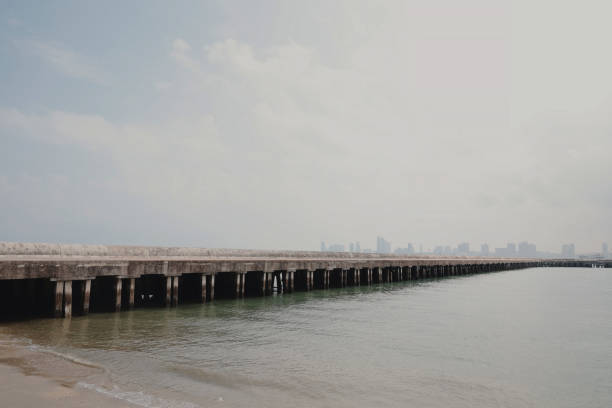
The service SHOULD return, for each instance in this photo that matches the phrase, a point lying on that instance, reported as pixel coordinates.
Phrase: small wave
(137, 397)
(69, 357)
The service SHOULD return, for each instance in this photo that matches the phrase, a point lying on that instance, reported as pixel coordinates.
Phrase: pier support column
(168, 290)
(309, 280)
(212, 287)
(175, 290)
(86, 295)
(203, 286)
(237, 283)
(380, 275)
(292, 281)
(118, 287)
(59, 299)
(369, 276)
(67, 298)
(263, 283)
(356, 277)
(132, 292)
(242, 284)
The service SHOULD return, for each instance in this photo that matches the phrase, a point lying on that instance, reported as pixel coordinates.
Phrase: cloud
(419, 123)
(65, 61)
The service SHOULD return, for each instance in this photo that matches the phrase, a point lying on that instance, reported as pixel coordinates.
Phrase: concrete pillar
(263, 283)
(168, 290)
(67, 298)
(132, 291)
(309, 279)
(212, 287)
(237, 284)
(86, 295)
(357, 277)
(242, 283)
(175, 290)
(291, 281)
(203, 285)
(59, 299)
(118, 287)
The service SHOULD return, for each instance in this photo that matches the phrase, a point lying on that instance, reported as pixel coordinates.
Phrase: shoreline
(33, 377)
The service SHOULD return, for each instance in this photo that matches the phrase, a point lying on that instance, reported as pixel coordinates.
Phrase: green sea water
(523, 338)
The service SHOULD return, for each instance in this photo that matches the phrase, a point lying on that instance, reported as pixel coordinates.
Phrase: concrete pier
(62, 280)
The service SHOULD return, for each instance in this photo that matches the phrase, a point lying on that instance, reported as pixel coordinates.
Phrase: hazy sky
(281, 124)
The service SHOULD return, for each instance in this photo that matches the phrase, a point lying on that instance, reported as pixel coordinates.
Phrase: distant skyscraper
(604, 250)
(568, 251)
(527, 250)
(383, 246)
(351, 247)
(484, 250)
(336, 248)
(463, 248)
(511, 247)
(508, 252)
(323, 248)
(357, 247)
(409, 250)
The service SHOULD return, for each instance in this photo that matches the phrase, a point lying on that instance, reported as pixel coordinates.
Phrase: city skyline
(524, 249)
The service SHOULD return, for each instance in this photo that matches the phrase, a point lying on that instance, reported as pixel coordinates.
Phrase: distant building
(409, 250)
(357, 247)
(568, 251)
(463, 248)
(508, 252)
(323, 248)
(484, 250)
(336, 248)
(511, 249)
(604, 250)
(527, 250)
(351, 247)
(383, 246)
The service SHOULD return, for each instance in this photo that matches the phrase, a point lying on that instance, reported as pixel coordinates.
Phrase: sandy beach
(33, 378)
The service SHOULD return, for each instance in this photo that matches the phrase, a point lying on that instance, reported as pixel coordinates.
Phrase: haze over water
(523, 338)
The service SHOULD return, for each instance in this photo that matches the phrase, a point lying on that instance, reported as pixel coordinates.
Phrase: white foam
(137, 397)
(69, 357)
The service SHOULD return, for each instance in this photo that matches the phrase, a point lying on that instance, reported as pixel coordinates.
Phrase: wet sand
(38, 379)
